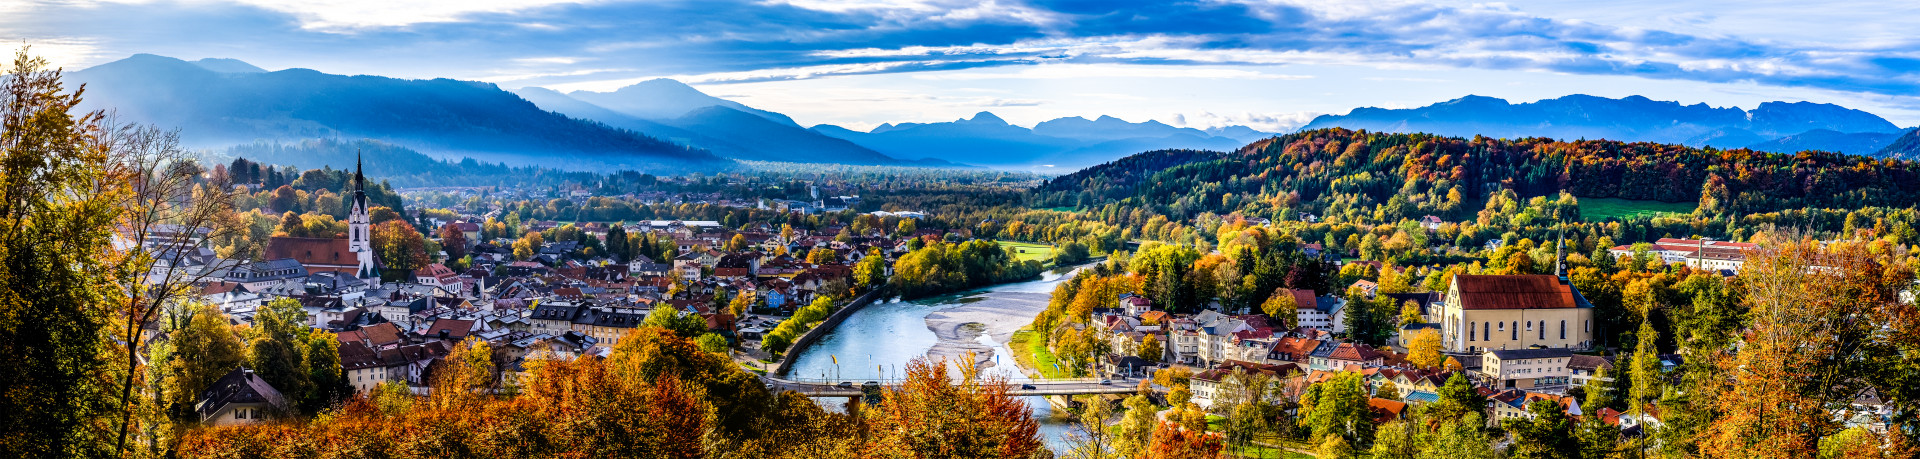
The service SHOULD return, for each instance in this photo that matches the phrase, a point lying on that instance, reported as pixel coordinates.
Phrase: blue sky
(1271, 64)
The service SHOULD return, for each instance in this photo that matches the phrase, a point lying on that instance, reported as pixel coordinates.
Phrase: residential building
(239, 397)
(1527, 368)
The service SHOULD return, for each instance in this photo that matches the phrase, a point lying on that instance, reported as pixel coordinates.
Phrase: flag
(836, 359)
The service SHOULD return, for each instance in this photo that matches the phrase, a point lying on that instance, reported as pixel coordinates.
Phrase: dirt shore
(967, 328)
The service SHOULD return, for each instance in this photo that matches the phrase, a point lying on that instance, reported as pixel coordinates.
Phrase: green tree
(712, 342)
(871, 271)
(1387, 390)
(1136, 427)
(328, 383)
(204, 349)
(1337, 407)
(1460, 439)
(277, 350)
(1548, 435)
(680, 323)
(1598, 440)
(1599, 391)
(1457, 399)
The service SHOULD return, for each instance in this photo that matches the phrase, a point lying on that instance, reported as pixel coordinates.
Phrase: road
(822, 388)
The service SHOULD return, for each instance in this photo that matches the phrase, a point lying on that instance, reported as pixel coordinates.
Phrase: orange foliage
(1818, 316)
(1170, 441)
(931, 416)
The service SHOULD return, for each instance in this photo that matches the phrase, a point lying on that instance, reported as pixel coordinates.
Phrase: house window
(1516, 331)
(1543, 329)
(1563, 329)
(1503, 326)
(1470, 331)
(1484, 330)
(240, 413)
(1586, 326)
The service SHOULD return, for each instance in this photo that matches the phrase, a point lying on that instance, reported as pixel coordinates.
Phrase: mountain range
(674, 111)
(220, 102)
(664, 125)
(1772, 126)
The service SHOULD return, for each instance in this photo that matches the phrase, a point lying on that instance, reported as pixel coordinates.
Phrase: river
(876, 342)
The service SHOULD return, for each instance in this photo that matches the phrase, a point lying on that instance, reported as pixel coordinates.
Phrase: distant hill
(1857, 143)
(1408, 176)
(235, 105)
(1630, 119)
(228, 66)
(662, 98)
(775, 141)
(669, 110)
(1057, 145)
(1905, 147)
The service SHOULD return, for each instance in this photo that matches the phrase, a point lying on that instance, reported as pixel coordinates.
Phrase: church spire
(359, 180)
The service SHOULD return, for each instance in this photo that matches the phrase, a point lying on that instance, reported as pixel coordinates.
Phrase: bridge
(1046, 387)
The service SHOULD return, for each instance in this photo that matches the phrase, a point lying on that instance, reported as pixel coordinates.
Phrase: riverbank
(983, 320)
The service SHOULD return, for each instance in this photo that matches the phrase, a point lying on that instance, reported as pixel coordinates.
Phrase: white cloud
(1077, 71)
(60, 52)
(346, 15)
(1280, 122)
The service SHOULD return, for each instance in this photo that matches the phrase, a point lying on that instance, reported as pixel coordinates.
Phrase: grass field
(1029, 251)
(1030, 351)
(1596, 209)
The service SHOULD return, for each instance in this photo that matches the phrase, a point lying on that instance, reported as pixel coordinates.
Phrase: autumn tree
(528, 245)
(1827, 323)
(1136, 426)
(1172, 441)
(1410, 313)
(1150, 348)
(1282, 306)
(1092, 437)
(1387, 390)
(1423, 349)
(933, 416)
(871, 271)
(400, 248)
(453, 241)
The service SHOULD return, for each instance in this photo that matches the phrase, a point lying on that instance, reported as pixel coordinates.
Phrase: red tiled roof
(1385, 410)
(1526, 291)
(311, 252)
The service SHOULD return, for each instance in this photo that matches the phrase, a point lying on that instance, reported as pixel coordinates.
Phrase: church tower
(359, 226)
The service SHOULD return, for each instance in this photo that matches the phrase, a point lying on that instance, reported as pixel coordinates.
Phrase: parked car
(1106, 382)
(1027, 387)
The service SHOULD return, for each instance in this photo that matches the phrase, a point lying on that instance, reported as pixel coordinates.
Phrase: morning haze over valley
(960, 229)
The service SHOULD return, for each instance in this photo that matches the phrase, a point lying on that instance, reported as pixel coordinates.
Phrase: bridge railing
(896, 381)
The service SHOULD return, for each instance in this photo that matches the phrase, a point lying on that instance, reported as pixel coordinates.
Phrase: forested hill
(1386, 177)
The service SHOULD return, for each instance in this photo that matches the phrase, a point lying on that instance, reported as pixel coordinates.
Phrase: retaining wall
(826, 326)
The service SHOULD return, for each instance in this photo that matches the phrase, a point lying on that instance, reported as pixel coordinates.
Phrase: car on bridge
(844, 385)
(1027, 387)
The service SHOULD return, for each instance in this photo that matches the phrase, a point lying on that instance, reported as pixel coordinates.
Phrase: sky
(1268, 64)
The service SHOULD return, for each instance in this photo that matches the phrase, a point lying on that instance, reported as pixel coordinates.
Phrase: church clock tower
(359, 226)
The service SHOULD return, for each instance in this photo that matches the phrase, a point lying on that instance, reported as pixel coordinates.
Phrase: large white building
(1715, 255)
(1514, 312)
